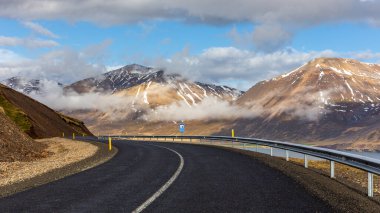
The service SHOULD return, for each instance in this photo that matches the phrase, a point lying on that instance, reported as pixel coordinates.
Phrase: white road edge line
(165, 186)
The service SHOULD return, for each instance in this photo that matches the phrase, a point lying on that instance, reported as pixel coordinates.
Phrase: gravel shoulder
(66, 157)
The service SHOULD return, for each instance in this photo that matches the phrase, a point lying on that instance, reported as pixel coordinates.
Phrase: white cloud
(39, 29)
(26, 42)
(269, 38)
(55, 97)
(9, 56)
(237, 66)
(210, 108)
(243, 68)
(230, 66)
(291, 15)
(212, 11)
(63, 65)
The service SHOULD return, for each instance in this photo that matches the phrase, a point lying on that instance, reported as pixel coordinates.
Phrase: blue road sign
(181, 127)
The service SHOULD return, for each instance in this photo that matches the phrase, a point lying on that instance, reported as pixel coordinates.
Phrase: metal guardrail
(370, 165)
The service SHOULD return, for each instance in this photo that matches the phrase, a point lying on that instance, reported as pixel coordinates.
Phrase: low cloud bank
(55, 97)
(210, 108)
(305, 105)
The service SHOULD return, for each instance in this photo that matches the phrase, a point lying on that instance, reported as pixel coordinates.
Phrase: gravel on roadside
(69, 157)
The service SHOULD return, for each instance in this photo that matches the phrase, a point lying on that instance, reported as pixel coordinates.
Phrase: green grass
(16, 114)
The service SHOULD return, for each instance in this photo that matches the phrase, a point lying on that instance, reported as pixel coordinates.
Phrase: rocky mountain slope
(25, 85)
(327, 99)
(144, 89)
(140, 81)
(15, 144)
(36, 119)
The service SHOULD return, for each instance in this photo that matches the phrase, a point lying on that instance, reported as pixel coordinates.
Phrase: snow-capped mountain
(25, 85)
(143, 91)
(334, 80)
(152, 86)
(325, 99)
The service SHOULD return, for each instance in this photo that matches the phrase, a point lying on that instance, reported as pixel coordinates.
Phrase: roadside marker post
(233, 133)
(287, 155)
(73, 136)
(182, 129)
(63, 134)
(305, 163)
(109, 143)
(332, 169)
(370, 184)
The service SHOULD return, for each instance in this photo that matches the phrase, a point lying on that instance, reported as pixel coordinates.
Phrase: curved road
(166, 177)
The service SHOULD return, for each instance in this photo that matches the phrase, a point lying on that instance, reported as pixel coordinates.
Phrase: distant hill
(36, 119)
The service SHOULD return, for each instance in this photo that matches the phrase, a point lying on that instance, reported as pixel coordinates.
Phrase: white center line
(165, 186)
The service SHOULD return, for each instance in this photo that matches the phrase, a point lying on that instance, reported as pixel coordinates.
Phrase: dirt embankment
(16, 145)
(63, 152)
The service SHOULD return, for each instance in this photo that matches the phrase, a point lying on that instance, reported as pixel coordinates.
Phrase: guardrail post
(332, 169)
(244, 146)
(287, 155)
(305, 162)
(257, 147)
(271, 151)
(370, 184)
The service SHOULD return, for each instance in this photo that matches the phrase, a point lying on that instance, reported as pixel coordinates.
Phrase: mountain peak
(330, 81)
(340, 67)
(135, 67)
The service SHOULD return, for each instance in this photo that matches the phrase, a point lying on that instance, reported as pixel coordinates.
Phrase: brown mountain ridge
(326, 101)
(36, 119)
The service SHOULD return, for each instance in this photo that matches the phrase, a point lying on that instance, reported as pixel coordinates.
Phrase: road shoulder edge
(338, 195)
(102, 155)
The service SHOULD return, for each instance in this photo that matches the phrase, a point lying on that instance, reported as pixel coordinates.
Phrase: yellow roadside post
(233, 135)
(63, 134)
(73, 136)
(109, 143)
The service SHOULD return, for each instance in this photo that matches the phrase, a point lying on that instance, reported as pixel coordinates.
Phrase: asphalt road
(184, 178)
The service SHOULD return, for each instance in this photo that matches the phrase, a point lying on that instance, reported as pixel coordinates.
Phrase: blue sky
(134, 42)
(226, 43)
